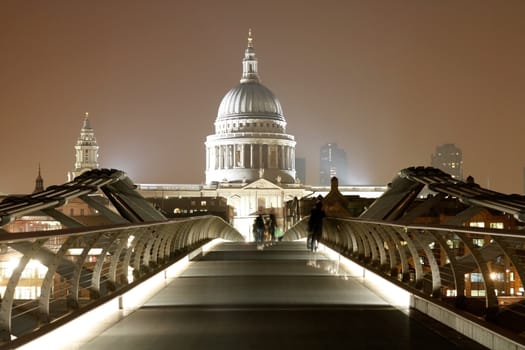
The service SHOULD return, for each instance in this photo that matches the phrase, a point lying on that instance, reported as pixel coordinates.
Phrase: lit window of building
(476, 277)
(497, 225)
(478, 242)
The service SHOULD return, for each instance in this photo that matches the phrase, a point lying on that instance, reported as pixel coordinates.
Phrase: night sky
(388, 81)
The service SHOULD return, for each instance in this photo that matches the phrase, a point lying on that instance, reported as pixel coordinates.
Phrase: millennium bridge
(387, 278)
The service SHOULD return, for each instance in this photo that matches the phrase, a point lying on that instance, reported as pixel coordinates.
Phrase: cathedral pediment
(261, 184)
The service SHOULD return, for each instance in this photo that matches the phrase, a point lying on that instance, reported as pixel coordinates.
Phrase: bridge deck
(283, 297)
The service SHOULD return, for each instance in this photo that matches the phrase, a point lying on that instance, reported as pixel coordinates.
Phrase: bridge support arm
(62, 218)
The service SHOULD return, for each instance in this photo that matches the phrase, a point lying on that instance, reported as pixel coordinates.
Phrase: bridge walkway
(283, 297)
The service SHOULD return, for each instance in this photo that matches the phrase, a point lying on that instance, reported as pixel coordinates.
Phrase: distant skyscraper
(333, 163)
(449, 158)
(86, 150)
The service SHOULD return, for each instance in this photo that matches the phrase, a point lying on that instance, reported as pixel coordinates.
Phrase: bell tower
(86, 150)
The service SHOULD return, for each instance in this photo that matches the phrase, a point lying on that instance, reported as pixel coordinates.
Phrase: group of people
(266, 230)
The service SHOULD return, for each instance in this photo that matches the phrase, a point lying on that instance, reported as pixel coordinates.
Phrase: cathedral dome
(250, 140)
(251, 99)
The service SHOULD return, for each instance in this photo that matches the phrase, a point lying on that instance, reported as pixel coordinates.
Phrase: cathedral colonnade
(250, 156)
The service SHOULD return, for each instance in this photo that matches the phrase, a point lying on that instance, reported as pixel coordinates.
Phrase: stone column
(230, 156)
(282, 152)
(260, 155)
(287, 157)
(221, 157)
(227, 157)
(251, 157)
(242, 155)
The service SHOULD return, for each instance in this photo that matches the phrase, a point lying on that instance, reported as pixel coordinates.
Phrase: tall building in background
(448, 157)
(250, 140)
(333, 163)
(86, 150)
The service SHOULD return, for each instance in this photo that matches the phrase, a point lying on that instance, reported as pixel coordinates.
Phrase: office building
(448, 157)
(332, 164)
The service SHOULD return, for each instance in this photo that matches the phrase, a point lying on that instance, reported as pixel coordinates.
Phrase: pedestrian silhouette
(258, 231)
(315, 226)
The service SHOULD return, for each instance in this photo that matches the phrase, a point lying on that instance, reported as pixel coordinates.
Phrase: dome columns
(249, 156)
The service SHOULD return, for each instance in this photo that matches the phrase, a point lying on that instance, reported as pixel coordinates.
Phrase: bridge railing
(48, 275)
(480, 271)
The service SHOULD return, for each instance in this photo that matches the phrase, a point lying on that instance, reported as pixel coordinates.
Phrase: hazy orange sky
(386, 80)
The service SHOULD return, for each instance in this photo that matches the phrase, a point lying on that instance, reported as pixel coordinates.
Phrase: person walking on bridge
(258, 231)
(315, 225)
(272, 224)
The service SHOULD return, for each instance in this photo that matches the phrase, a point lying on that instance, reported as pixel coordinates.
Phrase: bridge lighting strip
(394, 295)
